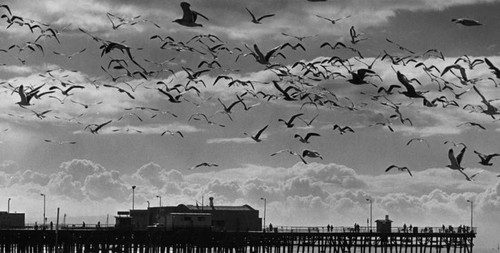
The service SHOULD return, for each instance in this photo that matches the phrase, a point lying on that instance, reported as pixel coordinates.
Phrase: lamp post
(371, 206)
(8, 205)
(471, 214)
(43, 208)
(148, 203)
(158, 196)
(265, 203)
(133, 196)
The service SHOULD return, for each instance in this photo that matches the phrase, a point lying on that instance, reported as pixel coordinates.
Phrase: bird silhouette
(455, 161)
(189, 16)
(311, 154)
(257, 20)
(291, 153)
(256, 137)
(289, 122)
(306, 138)
(333, 20)
(486, 158)
(204, 164)
(97, 127)
(466, 21)
(400, 168)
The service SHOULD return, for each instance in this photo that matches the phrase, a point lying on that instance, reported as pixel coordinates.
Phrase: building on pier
(223, 218)
(384, 226)
(11, 220)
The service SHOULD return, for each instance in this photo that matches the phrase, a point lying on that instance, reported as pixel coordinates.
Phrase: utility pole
(371, 206)
(133, 196)
(43, 209)
(264, 211)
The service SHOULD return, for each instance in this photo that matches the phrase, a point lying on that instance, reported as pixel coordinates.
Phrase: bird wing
(251, 14)
(265, 16)
(453, 159)
(404, 80)
(187, 14)
(311, 134)
(260, 132)
(390, 167)
(461, 155)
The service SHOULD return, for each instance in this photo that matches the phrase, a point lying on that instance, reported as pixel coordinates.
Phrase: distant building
(221, 218)
(11, 220)
(384, 226)
(123, 220)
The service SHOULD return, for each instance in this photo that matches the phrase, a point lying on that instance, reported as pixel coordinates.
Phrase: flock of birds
(296, 83)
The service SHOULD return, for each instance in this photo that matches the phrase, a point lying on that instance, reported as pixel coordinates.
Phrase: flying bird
(333, 20)
(466, 21)
(486, 158)
(204, 164)
(311, 154)
(306, 138)
(189, 16)
(456, 160)
(257, 20)
(472, 124)
(256, 137)
(400, 168)
(289, 123)
(97, 127)
(493, 68)
(344, 129)
(419, 140)
(291, 153)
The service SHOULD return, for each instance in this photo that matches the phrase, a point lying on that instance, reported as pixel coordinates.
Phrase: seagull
(355, 36)
(172, 133)
(289, 123)
(189, 16)
(305, 139)
(419, 140)
(466, 21)
(493, 68)
(312, 154)
(333, 21)
(257, 20)
(97, 127)
(291, 153)
(472, 124)
(204, 164)
(490, 109)
(26, 97)
(256, 137)
(486, 158)
(343, 130)
(455, 161)
(60, 142)
(400, 168)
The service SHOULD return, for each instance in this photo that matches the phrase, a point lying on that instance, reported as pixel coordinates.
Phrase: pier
(278, 240)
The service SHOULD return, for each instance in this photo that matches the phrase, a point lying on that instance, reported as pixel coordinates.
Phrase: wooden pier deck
(196, 241)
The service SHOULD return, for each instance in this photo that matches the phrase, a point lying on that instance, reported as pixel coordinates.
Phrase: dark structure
(384, 226)
(198, 241)
(223, 218)
(11, 220)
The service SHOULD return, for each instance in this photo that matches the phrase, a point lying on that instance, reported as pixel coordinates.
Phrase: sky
(102, 120)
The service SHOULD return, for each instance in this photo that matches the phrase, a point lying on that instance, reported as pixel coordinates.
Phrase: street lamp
(43, 209)
(471, 214)
(264, 211)
(148, 203)
(133, 196)
(158, 196)
(371, 206)
(8, 205)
